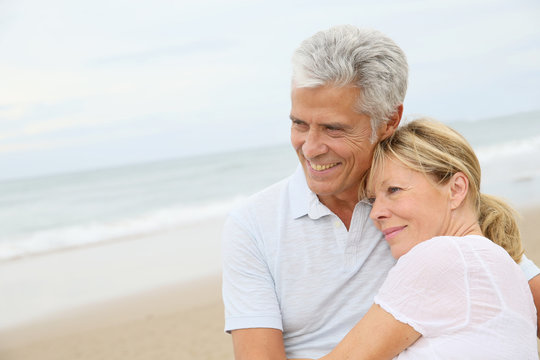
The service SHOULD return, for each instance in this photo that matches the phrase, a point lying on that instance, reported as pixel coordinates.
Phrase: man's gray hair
(367, 59)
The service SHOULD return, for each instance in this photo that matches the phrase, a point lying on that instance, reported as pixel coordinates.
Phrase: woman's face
(407, 206)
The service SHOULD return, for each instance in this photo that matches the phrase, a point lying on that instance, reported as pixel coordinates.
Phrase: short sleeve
(427, 288)
(528, 267)
(248, 288)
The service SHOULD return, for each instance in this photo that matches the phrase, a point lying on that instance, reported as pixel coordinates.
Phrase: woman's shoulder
(446, 258)
(459, 262)
(434, 250)
(427, 288)
(450, 247)
(437, 260)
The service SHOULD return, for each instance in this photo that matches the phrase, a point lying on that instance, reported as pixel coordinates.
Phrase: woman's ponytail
(498, 223)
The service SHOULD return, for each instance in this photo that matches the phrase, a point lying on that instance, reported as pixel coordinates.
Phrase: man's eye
(333, 128)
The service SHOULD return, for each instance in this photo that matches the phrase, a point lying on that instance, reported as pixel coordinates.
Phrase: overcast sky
(85, 84)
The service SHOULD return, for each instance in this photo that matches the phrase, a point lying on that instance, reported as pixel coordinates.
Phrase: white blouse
(467, 298)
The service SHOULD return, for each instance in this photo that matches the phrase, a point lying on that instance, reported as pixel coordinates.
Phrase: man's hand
(534, 284)
(258, 344)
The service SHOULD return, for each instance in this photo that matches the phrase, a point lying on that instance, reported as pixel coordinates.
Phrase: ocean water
(61, 211)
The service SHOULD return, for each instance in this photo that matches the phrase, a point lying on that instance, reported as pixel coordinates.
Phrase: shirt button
(337, 223)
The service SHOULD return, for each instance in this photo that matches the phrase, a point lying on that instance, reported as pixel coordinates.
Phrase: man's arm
(534, 284)
(252, 313)
(377, 336)
(531, 272)
(258, 344)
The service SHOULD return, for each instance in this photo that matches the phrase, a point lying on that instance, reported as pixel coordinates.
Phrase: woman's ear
(459, 187)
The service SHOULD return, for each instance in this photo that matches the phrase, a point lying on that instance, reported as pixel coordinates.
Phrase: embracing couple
(381, 245)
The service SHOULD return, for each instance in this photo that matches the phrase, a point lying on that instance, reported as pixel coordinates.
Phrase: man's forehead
(327, 89)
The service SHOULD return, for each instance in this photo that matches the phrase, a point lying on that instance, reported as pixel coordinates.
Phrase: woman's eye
(393, 189)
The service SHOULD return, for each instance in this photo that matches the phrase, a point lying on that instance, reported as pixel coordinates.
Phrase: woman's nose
(378, 210)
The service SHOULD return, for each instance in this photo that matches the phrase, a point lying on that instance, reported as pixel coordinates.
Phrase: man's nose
(314, 144)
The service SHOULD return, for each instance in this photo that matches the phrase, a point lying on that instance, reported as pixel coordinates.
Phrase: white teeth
(322, 167)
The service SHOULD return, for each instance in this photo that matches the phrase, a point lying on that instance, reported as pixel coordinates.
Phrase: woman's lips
(389, 233)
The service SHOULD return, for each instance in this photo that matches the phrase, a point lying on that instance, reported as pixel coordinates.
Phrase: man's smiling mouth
(319, 167)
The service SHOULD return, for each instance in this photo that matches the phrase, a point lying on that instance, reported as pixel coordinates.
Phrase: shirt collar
(303, 201)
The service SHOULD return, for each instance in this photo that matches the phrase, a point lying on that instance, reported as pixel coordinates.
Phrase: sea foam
(96, 232)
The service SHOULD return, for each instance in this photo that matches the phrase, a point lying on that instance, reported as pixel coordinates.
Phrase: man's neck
(342, 206)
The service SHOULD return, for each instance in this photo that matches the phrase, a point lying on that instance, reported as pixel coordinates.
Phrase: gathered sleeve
(428, 289)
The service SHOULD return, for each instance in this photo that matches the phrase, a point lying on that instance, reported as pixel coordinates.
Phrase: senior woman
(456, 291)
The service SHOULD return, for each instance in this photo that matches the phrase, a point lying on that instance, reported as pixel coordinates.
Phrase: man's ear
(459, 187)
(391, 125)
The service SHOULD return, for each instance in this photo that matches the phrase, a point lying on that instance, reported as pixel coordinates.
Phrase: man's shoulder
(262, 213)
(270, 193)
(269, 199)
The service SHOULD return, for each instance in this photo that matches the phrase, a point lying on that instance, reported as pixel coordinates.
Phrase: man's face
(331, 139)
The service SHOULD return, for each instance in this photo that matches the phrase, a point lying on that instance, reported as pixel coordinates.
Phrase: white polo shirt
(290, 264)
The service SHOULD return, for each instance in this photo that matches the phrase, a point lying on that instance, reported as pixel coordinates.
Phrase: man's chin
(321, 189)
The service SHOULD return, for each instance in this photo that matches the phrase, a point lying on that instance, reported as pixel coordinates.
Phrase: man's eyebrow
(294, 118)
(334, 124)
(337, 125)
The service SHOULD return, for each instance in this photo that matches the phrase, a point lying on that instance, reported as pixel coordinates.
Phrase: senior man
(302, 261)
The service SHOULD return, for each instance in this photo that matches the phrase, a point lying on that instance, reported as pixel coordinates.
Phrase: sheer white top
(467, 298)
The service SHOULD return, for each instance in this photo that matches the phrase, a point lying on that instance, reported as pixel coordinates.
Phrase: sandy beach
(143, 298)
(162, 315)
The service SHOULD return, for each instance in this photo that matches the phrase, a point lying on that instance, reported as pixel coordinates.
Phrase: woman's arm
(377, 336)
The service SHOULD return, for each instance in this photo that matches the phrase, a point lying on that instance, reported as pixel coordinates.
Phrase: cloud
(200, 67)
(198, 48)
(527, 60)
(74, 141)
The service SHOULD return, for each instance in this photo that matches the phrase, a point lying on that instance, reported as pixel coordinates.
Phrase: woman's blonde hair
(434, 149)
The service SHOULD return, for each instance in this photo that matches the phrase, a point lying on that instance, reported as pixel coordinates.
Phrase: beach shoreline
(179, 317)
